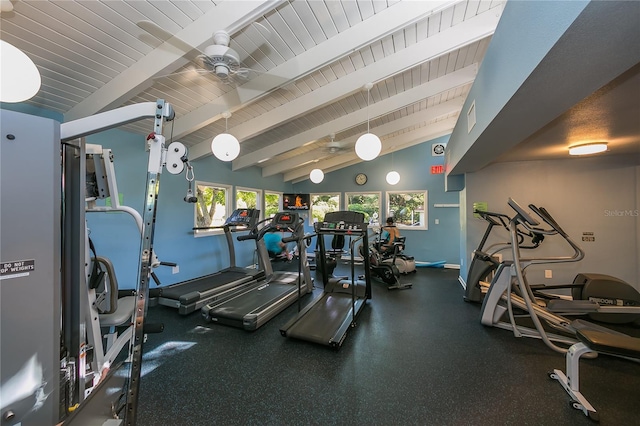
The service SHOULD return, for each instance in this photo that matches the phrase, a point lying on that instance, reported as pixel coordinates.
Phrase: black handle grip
(246, 237)
(290, 239)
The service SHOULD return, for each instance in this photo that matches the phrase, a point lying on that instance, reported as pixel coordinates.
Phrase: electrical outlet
(548, 273)
(437, 221)
(175, 269)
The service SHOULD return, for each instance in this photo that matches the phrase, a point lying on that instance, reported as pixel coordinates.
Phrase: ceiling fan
(334, 147)
(222, 60)
(217, 59)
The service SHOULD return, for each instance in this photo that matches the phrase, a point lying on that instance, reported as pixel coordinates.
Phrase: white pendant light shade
(225, 147)
(368, 146)
(19, 76)
(393, 177)
(316, 175)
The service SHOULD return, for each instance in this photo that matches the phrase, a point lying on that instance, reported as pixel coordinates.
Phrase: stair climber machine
(190, 296)
(253, 306)
(51, 315)
(328, 318)
(510, 292)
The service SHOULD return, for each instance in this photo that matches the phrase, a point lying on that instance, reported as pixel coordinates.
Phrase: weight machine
(46, 378)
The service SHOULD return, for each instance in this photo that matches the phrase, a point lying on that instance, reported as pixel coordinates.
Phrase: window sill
(208, 233)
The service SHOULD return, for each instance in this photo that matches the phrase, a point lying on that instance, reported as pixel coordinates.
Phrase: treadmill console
(243, 217)
(342, 222)
(285, 220)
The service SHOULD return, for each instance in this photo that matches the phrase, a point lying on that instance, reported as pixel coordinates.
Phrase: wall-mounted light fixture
(588, 148)
(225, 146)
(19, 77)
(316, 175)
(368, 146)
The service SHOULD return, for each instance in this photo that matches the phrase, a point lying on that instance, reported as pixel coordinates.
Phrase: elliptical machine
(485, 260)
(511, 296)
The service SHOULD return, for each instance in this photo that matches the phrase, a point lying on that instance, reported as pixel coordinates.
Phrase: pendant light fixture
(316, 175)
(393, 177)
(368, 146)
(225, 146)
(19, 77)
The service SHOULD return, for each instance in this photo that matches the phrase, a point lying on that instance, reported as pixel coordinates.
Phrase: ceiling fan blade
(190, 52)
(198, 71)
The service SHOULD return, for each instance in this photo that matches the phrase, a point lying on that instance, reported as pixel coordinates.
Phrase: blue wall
(438, 242)
(116, 236)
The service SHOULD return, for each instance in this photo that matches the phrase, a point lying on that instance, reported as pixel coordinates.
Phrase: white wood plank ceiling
(311, 60)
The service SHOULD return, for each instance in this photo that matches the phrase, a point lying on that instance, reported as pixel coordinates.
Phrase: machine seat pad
(611, 344)
(122, 315)
(572, 306)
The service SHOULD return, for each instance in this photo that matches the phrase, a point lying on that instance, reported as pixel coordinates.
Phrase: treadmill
(256, 304)
(189, 296)
(327, 319)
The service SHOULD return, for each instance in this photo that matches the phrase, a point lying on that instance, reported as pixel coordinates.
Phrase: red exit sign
(436, 170)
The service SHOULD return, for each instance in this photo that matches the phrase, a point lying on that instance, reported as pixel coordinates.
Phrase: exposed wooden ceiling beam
(425, 90)
(466, 32)
(452, 106)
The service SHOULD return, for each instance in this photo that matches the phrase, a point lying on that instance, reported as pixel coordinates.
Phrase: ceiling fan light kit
(219, 57)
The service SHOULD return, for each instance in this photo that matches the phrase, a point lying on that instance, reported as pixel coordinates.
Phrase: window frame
(227, 199)
(264, 204)
(259, 198)
(425, 223)
(378, 193)
(338, 194)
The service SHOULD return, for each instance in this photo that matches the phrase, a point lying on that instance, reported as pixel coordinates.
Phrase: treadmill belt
(324, 319)
(205, 283)
(254, 300)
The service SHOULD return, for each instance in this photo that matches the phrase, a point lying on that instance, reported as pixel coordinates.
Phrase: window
(248, 198)
(321, 204)
(368, 203)
(272, 203)
(408, 208)
(212, 207)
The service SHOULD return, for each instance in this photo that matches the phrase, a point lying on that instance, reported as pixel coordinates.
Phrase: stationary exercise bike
(390, 265)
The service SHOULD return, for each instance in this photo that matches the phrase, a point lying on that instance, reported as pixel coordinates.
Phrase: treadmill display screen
(285, 218)
(245, 217)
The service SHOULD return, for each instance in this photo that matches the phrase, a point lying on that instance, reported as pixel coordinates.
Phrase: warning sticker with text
(16, 268)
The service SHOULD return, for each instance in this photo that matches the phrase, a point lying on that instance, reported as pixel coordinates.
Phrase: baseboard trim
(462, 282)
